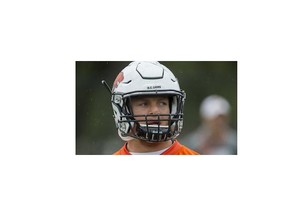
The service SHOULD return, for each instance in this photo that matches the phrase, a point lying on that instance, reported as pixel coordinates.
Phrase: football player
(147, 105)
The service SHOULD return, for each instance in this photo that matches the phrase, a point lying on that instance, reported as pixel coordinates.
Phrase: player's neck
(136, 145)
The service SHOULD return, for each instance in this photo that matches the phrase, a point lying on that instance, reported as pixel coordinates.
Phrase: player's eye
(142, 104)
(163, 103)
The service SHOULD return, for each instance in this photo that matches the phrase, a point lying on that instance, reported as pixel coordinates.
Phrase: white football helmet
(147, 78)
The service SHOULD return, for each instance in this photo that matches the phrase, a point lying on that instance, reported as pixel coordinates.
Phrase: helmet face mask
(147, 79)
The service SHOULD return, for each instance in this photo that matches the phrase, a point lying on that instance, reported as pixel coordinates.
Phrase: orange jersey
(175, 149)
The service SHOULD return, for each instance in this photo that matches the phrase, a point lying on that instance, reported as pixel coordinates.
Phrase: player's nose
(154, 109)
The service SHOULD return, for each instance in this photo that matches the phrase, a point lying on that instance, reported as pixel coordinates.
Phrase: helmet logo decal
(118, 80)
(153, 87)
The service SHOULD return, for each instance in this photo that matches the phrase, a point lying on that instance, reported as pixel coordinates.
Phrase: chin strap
(106, 85)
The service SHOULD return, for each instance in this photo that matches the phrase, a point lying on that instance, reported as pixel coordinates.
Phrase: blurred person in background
(147, 105)
(214, 136)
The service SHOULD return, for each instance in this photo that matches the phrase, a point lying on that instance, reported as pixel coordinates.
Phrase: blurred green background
(95, 128)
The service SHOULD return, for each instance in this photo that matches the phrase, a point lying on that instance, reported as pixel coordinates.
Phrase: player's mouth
(152, 122)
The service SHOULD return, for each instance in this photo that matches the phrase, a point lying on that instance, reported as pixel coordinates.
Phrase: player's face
(147, 105)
